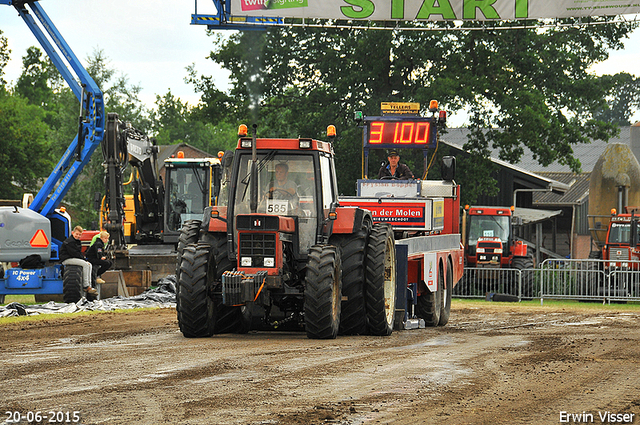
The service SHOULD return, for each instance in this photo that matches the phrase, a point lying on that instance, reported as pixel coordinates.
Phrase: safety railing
(479, 282)
(588, 280)
(572, 279)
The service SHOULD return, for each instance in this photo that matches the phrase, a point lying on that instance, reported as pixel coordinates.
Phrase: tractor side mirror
(448, 168)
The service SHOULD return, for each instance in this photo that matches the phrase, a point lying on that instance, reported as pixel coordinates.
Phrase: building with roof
(567, 233)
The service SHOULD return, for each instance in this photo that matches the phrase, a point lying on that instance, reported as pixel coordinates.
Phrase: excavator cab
(192, 184)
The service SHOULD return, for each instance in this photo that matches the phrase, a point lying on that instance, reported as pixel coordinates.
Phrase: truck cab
(621, 247)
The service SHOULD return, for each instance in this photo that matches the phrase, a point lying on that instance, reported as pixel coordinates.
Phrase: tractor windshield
(188, 194)
(621, 233)
(488, 226)
(286, 186)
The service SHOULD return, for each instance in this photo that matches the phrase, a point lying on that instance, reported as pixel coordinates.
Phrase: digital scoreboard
(388, 132)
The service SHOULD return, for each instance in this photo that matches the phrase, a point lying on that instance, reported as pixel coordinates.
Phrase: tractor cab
(489, 237)
(284, 185)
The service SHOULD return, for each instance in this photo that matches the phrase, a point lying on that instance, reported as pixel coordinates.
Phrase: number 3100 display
(401, 133)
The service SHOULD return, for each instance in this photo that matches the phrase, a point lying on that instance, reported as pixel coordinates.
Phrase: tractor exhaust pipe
(253, 189)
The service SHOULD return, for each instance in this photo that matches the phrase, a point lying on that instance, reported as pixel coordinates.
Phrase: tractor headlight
(269, 262)
(245, 261)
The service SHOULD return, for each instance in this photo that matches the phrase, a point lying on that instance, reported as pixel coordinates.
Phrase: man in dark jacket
(71, 255)
(97, 257)
(394, 169)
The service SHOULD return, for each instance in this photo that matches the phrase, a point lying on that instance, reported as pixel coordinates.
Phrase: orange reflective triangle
(39, 240)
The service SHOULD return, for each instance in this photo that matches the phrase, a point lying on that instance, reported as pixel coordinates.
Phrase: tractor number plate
(277, 206)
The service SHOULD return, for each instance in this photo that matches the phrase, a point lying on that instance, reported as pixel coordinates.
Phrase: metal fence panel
(572, 279)
(588, 279)
(624, 285)
(478, 282)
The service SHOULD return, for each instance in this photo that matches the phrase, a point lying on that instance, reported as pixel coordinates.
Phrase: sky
(152, 42)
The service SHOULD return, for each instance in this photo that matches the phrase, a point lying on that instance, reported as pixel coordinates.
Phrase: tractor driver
(394, 169)
(282, 187)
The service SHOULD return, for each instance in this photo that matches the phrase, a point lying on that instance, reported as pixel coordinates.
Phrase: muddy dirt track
(493, 364)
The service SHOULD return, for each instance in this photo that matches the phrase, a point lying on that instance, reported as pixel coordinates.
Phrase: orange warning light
(39, 240)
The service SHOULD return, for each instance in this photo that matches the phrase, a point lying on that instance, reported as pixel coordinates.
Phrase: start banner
(433, 10)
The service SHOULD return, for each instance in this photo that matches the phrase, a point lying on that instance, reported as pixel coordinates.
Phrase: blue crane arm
(92, 116)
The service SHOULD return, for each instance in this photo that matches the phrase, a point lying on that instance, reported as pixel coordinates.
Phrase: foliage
(24, 156)
(34, 82)
(4, 58)
(53, 111)
(523, 87)
(175, 122)
(622, 100)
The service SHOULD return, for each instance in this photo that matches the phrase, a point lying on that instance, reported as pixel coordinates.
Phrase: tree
(176, 122)
(524, 87)
(24, 156)
(622, 99)
(4, 58)
(37, 81)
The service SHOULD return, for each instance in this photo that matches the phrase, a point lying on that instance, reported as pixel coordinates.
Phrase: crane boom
(91, 118)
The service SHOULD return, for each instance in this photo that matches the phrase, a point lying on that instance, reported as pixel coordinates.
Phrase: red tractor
(490, 242)
(279, 251)
(620, 249)
(620, 246)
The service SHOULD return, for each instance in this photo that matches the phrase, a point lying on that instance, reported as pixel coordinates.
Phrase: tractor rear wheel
(323, 292)
(188, 235)
(429, 304)
(380, 286)
(72, 290)
(353, 318)
(525, 264)
(196, 315)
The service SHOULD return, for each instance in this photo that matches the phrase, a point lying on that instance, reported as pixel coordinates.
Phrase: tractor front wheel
(196, 315)
(525, 265)
(323, 292)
